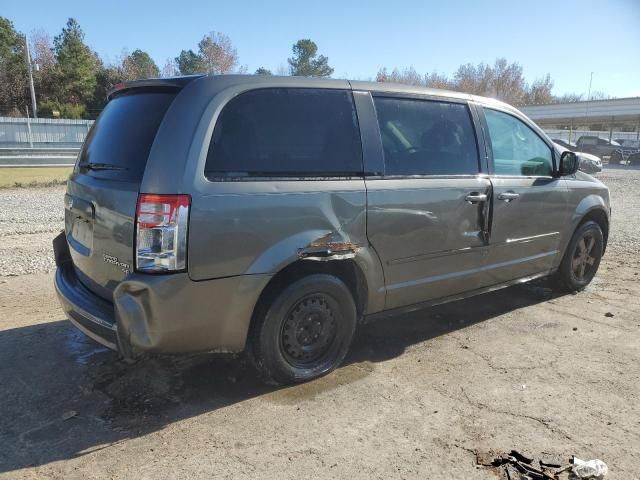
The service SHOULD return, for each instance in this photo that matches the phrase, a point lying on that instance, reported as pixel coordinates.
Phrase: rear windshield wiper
(101, 166)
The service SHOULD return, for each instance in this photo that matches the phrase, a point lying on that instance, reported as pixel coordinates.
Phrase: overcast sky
(567, 38)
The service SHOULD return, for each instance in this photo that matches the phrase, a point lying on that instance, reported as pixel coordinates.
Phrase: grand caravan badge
(114, 261)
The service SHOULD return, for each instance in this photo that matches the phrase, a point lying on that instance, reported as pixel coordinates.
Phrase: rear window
(286, 132)
(120, 140)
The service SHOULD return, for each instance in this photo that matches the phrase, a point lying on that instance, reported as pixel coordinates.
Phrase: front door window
(517, 149)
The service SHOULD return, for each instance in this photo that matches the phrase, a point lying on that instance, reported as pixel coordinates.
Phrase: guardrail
(38, 157)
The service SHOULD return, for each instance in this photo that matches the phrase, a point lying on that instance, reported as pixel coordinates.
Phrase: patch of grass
(33, 176)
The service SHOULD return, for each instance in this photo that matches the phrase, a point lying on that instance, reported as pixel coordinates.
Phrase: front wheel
(581, 259)
(616, 158)
(305, 331)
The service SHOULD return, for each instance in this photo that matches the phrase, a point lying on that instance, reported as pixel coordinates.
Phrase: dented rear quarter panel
(258, 232)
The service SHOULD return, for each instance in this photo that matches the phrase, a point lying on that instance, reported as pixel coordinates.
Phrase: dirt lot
(520, 368)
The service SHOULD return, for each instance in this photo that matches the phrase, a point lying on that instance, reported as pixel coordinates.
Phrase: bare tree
(599, 95)
(473, 79)
(437, 80)
(42, 50)
(42, 56)
(569, 98)
(170, 69)
(539, 93)
(508, 83)
(218, 53)
(407, 76)
(382, 75)
(503, 81)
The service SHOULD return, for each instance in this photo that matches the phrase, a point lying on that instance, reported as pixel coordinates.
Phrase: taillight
(161, 232)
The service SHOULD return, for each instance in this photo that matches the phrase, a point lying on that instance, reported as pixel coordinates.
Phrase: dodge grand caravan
(266, 214)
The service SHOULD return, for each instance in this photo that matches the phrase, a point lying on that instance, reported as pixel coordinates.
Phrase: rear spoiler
(151, 83)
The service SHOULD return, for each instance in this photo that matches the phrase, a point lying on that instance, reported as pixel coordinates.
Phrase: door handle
(508, 196)
(476, 197)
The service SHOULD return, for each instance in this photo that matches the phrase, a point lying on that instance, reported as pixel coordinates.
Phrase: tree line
(502, 80)
(72, 81)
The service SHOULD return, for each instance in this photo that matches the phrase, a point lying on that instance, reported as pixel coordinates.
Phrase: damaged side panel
(329, 247)
(262, 232)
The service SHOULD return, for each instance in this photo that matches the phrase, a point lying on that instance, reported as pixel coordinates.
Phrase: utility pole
(30, 69)
(586, 107)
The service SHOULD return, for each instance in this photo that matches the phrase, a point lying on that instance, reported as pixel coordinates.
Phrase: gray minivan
(272, 214)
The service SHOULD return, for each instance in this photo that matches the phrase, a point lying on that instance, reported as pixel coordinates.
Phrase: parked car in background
(627, 143)
(587, 163)
(597, 146)
(629, 152)
(272, 214)
(634, 158)
(565, 144)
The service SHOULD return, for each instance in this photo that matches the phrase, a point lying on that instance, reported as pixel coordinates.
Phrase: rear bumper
(161, 313)
(91, 314)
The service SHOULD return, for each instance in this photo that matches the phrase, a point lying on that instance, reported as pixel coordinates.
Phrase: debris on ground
(608, 314)
(595, 469)
(517, 466)
(69, 414)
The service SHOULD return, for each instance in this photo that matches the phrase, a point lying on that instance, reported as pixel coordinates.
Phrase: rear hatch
(100, 203)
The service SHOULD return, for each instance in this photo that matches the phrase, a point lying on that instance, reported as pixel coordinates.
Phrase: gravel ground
(29, 219)
(623, 184)
(418, 396)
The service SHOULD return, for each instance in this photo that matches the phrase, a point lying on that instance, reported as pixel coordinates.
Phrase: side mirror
(569, 163)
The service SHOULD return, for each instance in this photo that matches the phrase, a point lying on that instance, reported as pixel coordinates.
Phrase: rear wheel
(581, 259)
(616, 158)
(305, 330)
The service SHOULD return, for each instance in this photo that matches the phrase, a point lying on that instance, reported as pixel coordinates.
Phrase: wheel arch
(591, 207)
(599, 216)
(347, 270)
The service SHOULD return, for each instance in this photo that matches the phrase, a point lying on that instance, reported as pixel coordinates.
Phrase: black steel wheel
(582, 258)
(308, 330)
(303, 331)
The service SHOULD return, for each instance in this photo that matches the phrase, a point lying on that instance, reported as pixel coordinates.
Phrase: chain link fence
(573, 135)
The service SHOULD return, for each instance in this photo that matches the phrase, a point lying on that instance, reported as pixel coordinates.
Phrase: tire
(578, 268)
(616, 158)
(304, 332)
